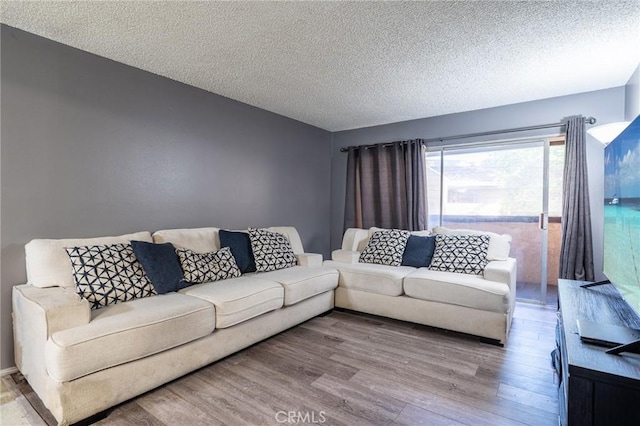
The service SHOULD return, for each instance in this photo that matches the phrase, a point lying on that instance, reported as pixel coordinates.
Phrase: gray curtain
(576, 254)
(386, 186)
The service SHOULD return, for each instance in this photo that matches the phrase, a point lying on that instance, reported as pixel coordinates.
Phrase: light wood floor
(352, 369)
(531, 292)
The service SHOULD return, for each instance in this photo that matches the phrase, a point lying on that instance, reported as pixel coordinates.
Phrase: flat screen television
(622, 213)
(621, 263)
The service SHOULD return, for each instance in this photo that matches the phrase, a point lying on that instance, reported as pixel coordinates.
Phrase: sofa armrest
(37, 314)
(60, 308)
(345, 256)
(502, 271)
(309, 259)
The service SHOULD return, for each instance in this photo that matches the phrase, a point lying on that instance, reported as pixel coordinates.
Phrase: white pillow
(499, 246)
(48, 264)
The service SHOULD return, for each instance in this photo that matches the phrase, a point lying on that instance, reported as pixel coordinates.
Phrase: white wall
(632, 96)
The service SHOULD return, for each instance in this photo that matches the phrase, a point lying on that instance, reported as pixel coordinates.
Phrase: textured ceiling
(343, 65)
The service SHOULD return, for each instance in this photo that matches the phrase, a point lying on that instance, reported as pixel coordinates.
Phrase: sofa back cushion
(204, 240)
(352, 238)
(200, 240)
(356, 239)
(499, 246)
(48, 264)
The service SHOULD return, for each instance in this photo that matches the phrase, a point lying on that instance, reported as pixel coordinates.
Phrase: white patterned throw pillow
(108, 274)
(466, 254)
(385, 247)
(271, 250)
(206, 267)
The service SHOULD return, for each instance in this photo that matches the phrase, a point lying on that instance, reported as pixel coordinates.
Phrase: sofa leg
(324, 314)
(492, 341)
(95, 418)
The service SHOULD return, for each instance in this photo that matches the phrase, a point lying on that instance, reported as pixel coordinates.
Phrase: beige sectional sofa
(481, 305)
(82, 361)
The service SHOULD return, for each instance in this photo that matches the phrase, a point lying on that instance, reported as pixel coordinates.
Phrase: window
(503, 188)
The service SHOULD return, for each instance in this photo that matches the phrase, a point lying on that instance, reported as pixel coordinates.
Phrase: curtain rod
(589, 120)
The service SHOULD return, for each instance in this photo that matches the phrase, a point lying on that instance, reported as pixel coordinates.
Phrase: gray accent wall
(632, 96)
(92, 147)
(606, 105)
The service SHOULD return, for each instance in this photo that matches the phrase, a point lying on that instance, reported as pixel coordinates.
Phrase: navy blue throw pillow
(419, 251)
(240, 246)
(160, 263)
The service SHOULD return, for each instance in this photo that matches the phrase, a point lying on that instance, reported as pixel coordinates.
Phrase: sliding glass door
(509, 188)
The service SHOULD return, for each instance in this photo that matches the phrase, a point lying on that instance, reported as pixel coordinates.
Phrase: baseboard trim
(7, 371)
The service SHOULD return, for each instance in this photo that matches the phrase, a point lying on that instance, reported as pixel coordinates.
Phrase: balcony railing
(526, 241)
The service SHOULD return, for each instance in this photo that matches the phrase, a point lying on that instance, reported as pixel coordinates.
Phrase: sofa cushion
(48, 263)
(380, 279)
(240, 246)
(460, 253)
(459, 289)
(302, 282)
(127, 331)
(385, 247)
(271, 250)
(108, 274)
(160, 263)
(419, 251)
(239, 299)
(200, 240)
(499, 246)
(345, 256)
(206, 267)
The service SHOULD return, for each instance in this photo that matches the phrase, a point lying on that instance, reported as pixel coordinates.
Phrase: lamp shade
(608, 132)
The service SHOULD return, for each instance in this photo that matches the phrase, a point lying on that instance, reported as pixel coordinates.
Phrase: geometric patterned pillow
(271, 250)
(107, 274)
(385, 247)
(466, 254)
(206, 267)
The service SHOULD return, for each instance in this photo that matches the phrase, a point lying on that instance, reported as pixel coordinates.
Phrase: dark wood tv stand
(595, 388)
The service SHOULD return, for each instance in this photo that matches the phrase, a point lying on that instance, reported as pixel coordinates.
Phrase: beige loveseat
(81, 361)
(481, 305)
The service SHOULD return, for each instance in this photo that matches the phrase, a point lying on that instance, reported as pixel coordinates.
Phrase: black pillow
(160, 263)
(240, 246)
(419, 251)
